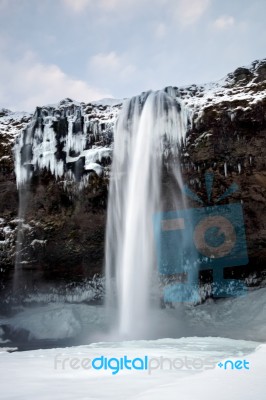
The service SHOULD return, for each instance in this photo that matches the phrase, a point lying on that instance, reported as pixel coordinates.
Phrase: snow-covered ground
(41, 374)
(202, 337)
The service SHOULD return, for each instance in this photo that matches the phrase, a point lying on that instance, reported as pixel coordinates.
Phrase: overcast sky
(90, 49)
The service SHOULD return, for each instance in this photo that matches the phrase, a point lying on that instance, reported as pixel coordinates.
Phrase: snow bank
(243, 316)
(36, 377)
(67, 315)
(48, 323)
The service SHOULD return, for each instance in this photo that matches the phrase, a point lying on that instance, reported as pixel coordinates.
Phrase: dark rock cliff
(63, 162)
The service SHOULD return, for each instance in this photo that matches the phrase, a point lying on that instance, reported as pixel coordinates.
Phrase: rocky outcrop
(59, 204)
(63, 162)
(228, 137)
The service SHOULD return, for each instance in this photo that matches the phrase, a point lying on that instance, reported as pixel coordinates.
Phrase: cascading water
(23, 175)
(149, 127)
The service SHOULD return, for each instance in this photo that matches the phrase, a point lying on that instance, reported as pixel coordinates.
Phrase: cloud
(3, 4)
(106, 61)
(107, 64)
(224, 22)
(111, 4)
(186, 11)
(79, 6)
(4, 41)
(76, 6)
(28, 83)
(160, 30)
(189, 12)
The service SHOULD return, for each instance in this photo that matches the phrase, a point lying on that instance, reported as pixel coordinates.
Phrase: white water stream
(149, 126)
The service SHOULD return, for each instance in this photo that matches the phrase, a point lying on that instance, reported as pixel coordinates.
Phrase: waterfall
(149, 128)
(22, 151)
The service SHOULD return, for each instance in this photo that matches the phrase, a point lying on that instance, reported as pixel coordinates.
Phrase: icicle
(225, 169)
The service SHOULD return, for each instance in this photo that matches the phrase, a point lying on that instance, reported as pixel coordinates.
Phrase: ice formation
(69, 139)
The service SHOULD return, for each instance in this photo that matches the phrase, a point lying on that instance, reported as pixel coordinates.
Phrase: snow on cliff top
(12, 122)
(108, 102)
(245, 84)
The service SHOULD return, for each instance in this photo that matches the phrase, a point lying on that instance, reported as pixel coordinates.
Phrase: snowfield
(35, 374)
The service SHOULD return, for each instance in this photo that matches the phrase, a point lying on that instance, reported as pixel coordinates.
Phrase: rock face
(62, 160)
(228, 138)
(59, 205)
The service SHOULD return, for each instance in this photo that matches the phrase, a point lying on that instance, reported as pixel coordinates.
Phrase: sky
(91, 49)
